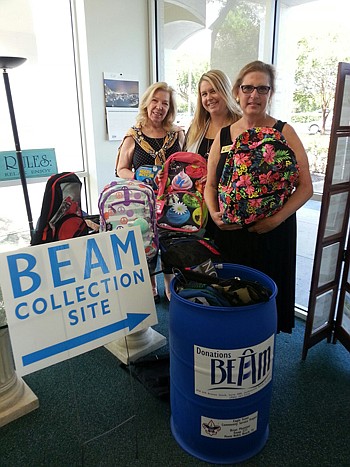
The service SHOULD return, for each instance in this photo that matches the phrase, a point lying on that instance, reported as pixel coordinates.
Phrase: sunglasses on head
(248, 89)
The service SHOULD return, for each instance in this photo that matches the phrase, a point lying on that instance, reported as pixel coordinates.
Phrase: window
(199, 37)
(307, 63)
(226, 34)
(44, 94)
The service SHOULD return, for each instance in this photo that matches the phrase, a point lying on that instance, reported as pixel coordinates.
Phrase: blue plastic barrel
(221, 368)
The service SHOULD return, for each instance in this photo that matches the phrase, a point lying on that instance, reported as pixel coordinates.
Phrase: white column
(137, 345)
(16, 398)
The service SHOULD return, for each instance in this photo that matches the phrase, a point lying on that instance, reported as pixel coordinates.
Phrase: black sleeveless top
(141, 157)
(225, 136)
(205, 146)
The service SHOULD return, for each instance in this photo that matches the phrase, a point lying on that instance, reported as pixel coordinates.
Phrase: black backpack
(181, 250)
(61, 216)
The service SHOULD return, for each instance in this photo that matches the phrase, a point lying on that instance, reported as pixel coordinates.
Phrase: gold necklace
(160, 144)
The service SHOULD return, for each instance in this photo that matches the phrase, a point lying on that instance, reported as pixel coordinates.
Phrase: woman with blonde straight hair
(215, 108)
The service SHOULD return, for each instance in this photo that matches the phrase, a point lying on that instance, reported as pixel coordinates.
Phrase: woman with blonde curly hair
(151, 141)
(154, 137)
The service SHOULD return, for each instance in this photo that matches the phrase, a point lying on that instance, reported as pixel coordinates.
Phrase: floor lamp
(6, 63)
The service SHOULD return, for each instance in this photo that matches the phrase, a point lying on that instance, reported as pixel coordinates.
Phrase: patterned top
(150, 151)
(142, 157)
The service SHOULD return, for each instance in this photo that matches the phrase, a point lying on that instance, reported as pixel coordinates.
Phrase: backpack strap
(279, 125)
(225, 137)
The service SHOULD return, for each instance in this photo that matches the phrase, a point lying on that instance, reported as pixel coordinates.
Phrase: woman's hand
(217, 218)
(92, 225)
(265, 225)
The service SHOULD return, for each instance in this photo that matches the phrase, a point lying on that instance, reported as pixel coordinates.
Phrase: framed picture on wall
(121, 96)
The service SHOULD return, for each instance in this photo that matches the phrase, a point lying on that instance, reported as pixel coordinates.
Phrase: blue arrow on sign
(131, 321)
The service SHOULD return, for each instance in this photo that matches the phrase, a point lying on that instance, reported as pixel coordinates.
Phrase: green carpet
(91, 395)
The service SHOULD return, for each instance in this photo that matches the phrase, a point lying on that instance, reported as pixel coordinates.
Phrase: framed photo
(120, 93)
(121, 96)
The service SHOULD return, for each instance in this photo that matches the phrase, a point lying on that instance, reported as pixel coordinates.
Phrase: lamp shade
(11, 62)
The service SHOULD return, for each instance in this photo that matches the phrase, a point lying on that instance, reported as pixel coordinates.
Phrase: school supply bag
(61, 217)
(125, 203)
(180, 199)
(259, 175)
(147, 174)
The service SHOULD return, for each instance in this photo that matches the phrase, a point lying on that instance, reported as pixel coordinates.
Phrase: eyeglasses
(248, 89)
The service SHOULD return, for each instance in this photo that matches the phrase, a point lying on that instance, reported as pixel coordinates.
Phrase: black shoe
(156, 298)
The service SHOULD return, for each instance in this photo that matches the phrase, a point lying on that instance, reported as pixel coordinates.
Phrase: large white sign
(65, 298)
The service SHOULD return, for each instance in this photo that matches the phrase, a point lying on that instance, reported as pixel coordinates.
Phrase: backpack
(259, 175)
(61, 216)
(180, 199)
(128, 203)
(181, 250)
(153, 372)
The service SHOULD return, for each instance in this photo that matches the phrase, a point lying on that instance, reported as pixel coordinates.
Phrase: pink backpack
(180, 200)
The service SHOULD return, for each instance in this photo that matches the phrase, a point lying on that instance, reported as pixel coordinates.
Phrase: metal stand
(11, 62)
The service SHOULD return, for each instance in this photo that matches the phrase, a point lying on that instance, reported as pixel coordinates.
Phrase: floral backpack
(259, 175)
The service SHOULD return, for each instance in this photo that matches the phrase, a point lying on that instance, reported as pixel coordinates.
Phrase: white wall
(117, 41)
